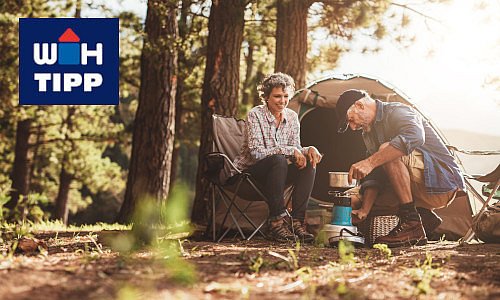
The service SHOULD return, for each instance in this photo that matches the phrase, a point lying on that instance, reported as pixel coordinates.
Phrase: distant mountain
(475, 164)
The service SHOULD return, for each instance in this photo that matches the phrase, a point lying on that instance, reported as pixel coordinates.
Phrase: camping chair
(491, 180)
(228, 184)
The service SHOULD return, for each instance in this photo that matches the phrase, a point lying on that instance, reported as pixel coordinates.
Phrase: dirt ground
(77, 266)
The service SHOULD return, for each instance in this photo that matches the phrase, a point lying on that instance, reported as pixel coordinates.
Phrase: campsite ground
(76, 266)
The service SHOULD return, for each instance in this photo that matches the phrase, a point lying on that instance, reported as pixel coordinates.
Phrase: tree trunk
(291, 39)
(78, 9)
(248, 83)
(61, 209)
(36, 147)
(183, 72)
(221, 81)
(178, 132)
(20, 170)
(259, 75)
(154, 125)
(65, 178)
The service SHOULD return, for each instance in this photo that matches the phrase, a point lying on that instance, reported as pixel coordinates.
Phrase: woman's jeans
(273, 173)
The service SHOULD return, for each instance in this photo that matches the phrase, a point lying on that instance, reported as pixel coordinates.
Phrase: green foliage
(128, 292)
(57, 225)
(346, 252)
(58, 139)
(384, 250)
(422, 275)
(4, 198)
(343, 21)
(256, 263)
(160, 226)
(257, 50)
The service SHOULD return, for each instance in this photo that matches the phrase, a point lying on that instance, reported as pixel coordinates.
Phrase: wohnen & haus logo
(68, 61)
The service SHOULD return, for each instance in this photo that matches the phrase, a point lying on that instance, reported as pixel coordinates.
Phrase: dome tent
(315, 106)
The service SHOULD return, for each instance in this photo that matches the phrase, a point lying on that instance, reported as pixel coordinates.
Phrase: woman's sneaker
(299, 228)
(278, 231)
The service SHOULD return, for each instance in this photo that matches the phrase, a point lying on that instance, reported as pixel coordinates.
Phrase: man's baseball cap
(345, 101)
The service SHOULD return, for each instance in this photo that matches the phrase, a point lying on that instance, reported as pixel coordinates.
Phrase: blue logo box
(68, 61)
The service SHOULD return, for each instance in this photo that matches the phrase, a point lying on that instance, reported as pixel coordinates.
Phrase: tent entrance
(318, 127)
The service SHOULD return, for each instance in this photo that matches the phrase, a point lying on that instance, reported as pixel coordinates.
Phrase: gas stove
(341, 228)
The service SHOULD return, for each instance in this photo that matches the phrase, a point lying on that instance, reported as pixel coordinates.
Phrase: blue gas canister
(341, 212)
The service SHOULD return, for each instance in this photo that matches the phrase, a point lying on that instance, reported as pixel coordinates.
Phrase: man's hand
(360, 169)
(314, 156)
(300, 159)
(360, 213)
(358, 216)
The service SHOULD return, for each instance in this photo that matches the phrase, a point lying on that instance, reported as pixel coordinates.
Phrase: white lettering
(95, 53)
(91, 80)
(42, 81)
(47, 58)
(56, 82)
(72, 80)
(68, 82)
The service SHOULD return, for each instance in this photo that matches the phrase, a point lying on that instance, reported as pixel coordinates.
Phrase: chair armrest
(225, 159)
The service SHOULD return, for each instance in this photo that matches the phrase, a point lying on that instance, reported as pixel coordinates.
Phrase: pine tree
(221, 81)
(154, 125)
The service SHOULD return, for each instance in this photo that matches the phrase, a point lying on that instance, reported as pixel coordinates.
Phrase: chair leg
(213, 213)
(242, 213)
(258, 229)
(470, 233)
(229, 212)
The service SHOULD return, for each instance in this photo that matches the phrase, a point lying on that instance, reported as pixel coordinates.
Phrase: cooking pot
(340, 180)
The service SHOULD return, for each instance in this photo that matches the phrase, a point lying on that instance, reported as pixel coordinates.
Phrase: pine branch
(81, 139)
(404, 6)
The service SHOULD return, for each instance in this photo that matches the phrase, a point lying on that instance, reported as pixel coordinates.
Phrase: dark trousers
(273, 173)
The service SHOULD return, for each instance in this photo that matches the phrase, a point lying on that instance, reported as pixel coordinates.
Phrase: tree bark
(247, 84)
(183, 72)
(178, 132)
(291, 39)
(61, 209)
(154, 125)
(221, 82)
(65, 178)
(20, 170)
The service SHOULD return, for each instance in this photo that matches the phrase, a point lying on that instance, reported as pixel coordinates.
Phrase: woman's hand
(314, 156)
(300, 159)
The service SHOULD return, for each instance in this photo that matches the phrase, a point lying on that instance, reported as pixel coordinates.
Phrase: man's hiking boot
(299, 228)
(430, 220)
(278, 231)
(406, 233)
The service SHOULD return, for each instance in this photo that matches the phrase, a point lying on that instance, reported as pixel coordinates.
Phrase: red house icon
(69, 36)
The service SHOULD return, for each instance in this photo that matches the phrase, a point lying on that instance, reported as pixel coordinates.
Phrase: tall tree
(291, 39)
(154, 125)
(191, 55)
(20, 169)
(221, 81)
(65, 177)
(258, 49)
(18, 117)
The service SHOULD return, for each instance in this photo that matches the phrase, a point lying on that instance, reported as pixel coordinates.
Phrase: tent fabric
(315, 106)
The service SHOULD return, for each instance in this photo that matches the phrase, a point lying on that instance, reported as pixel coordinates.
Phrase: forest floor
(81, 265)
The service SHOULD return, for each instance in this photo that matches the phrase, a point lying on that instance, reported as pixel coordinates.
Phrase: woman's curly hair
(272, 81)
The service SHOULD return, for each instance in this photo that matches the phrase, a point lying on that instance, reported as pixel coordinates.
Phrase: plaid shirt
(263, 138)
